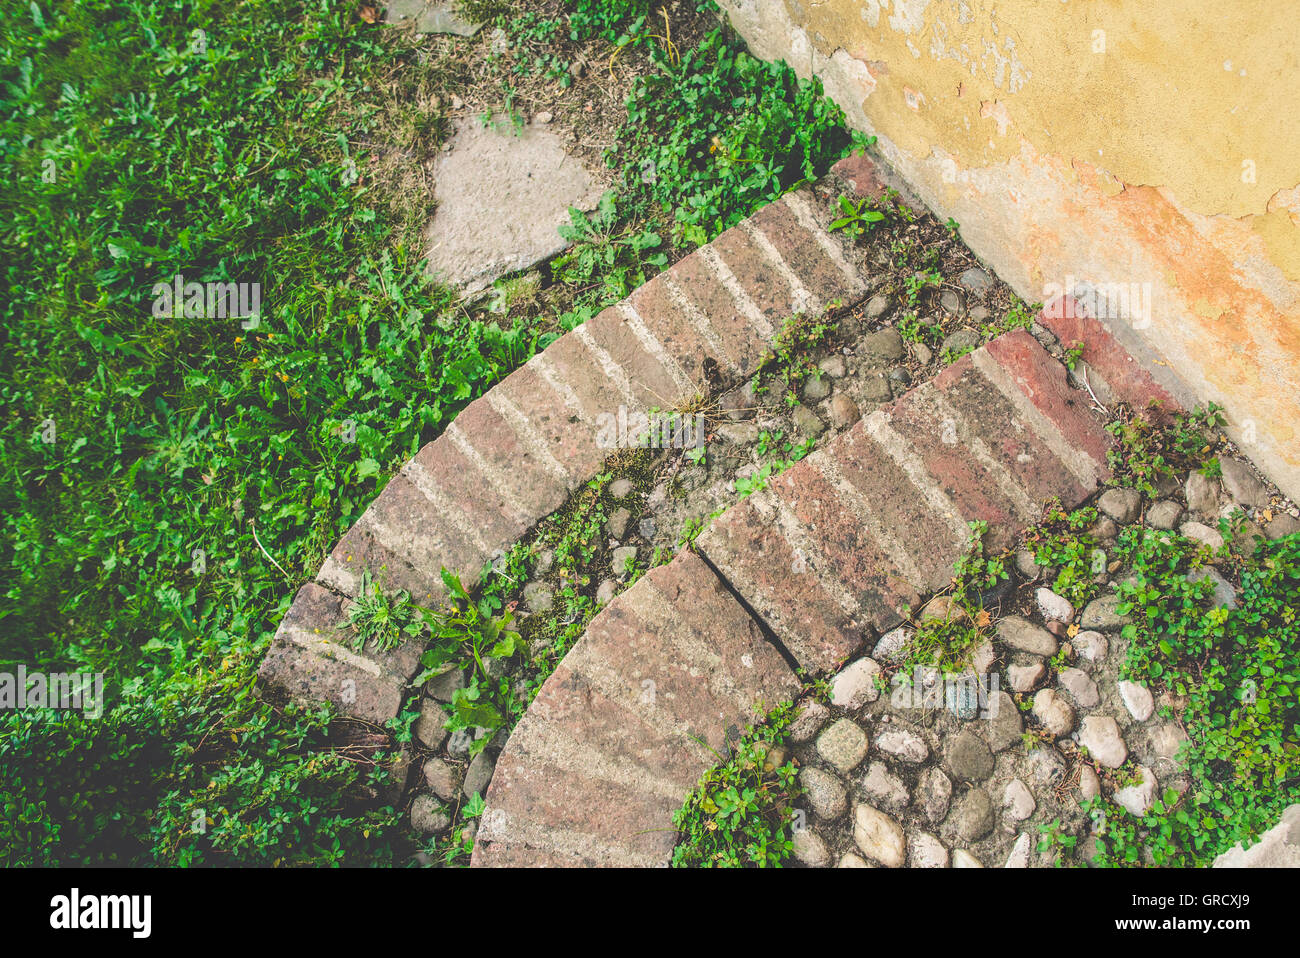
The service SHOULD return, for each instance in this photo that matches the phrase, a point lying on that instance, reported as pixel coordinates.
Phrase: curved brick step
(838, 549)
(512, 457)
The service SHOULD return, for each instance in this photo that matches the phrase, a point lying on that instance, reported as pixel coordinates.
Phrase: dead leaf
(369, 14)
(983, 619)
(1072, 631)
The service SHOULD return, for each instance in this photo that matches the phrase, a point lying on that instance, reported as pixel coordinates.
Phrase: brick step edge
(513, 456)
(806, 570)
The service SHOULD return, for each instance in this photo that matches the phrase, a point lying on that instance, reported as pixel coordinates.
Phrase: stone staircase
(798, 576)
(801, 575)
(513, 456)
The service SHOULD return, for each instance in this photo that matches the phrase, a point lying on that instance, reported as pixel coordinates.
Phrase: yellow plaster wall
(1112, 141)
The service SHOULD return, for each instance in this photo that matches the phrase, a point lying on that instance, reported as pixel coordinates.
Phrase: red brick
(757, 276)
(898, 505)
(574, 363)
(652, 384)
(463, 485)
(854, 558)
(572, 442)
(667, 321)
(1042, 380)
(859, 173)
(1068, 319)
(758, 561)
(1010, 440)
(522, 476)
(803, 254)
(701, 286)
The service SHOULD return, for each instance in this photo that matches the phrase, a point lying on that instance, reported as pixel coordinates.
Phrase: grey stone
(826, 796)
(874, 388)
(1023, 636)
(1199, 532)
(810, 848)
(902, 744)
(1202, 494)
(1242, 485)
(1017, 801)
(605, 591)
(879, 836)
(951, 302)
(1053, 607)
(976, 280)
(429, 729)
(1053, 713)
(934, 794)
(832, 365)
(621, 488)
(1004, 725)
(1225, 596)
(926, 851)
(850, 860)
(1281, 526)
(1100, 735)
(616, 524)
(806, 422)
(1025, 678)
(1026, 565)
(972, 815)
(968, 757)
(962, 339)
(964, 859)
(1081, 687)
(881, 348)
(443, 778)
(843, 745)
(429, 17)
(812, 715)
(1102, 615)
(1164, 514)
(878, 306)
(816, 388)
(1019, 857)
(855, 685)
(884, 787)
(620, 559)
(1091, 646)
(1044, 766)
(428, 816)
(460, 740)
(539, 597)
(444, 685)
(923, 353)
(1122, 505)
(1279, 847)
(479, 774)
(891, 643)
(646, 527)
(522, 183)
(1138, 798)
(1089, 783)
(1137, 699)
(980, 315)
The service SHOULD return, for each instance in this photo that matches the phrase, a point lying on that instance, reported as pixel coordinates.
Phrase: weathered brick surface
(1042, 380)
(576, 365)
(701, 286)
(766, 288)
(804, 255)
(750, 551)
(1069, 320)
(312, 660)
(609, 748)
(570, 440)
(652, 384)
(859, 174)
(665, 318)
(524, 482)
(460, 482)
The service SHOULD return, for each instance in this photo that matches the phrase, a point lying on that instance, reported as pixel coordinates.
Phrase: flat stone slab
(502, 195)
(429, 17)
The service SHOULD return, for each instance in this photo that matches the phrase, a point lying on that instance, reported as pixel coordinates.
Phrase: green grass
(200, 470)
